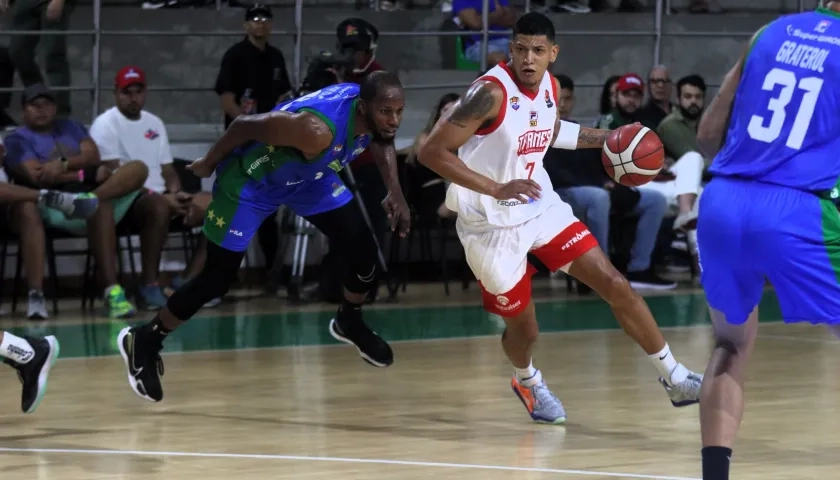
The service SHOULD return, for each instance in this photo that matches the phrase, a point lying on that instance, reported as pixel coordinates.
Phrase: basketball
(633, 155)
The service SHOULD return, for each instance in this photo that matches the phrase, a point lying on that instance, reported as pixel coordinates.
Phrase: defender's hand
(522, 190)
(398, 213)
(200, 168)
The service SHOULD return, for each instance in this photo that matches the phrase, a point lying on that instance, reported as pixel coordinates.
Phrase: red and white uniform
(498, 234)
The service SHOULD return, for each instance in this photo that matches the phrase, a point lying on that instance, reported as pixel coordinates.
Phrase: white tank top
(511, 148)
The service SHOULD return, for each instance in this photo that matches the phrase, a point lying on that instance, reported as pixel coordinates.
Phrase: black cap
(356, 34)
(36, 90)
(258, 10)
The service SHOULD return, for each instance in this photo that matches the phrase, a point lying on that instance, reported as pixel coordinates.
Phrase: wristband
(567, 136)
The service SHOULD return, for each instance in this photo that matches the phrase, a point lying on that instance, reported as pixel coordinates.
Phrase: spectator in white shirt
(126, 132)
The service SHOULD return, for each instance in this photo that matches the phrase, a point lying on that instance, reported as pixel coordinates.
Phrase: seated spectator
(629, 91)
(430, 199)
(608, 95)
(59, 154)
(501, 16)
(126, 133)
(681, 182)
(659, 104)
(579, 178)
(19, 214)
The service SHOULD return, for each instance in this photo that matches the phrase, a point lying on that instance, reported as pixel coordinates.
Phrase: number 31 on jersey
(778, 107)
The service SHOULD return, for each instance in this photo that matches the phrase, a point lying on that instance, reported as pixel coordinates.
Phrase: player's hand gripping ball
(633, 155)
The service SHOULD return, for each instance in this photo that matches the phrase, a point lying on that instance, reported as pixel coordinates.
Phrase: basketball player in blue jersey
(767, 214)
(290, 156)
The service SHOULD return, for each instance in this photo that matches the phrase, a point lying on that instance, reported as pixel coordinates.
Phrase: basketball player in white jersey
(507, 208)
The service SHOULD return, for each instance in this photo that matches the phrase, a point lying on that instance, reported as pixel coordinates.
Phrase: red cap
(630, 81)
(130, 76)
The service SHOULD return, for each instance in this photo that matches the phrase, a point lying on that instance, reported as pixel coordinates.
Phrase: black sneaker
(647, 280)
(372, 348)
(143, 362)
(34, 374)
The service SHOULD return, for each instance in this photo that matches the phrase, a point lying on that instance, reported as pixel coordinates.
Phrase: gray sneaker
(37, 309)
(541, 404)
(686, 392)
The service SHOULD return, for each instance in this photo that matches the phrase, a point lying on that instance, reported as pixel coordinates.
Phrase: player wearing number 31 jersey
(768, 212)
(507, 208)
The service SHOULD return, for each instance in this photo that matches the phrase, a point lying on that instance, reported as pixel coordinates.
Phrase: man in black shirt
(253, 76)
(253, 79)
(578, 176)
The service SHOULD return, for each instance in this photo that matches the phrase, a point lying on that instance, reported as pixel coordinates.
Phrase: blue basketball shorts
(241, 204)
(750, 232)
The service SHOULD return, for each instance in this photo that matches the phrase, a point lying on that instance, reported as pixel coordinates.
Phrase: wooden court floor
(261, 391)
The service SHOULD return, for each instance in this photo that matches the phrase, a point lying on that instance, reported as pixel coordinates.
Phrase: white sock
(16, 349)
(668, 367)
(523, 374)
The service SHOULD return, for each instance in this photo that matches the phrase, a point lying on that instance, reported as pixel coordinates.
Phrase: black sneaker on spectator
(648, 280)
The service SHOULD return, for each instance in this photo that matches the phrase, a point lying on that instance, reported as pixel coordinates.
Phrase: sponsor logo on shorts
(235, 232)
(534, 141)
(257, 164)
(508, 203)
(294, 183)
(319, 175)
(358, 151)
(338, 189)
(335, 165)
(503, 303)
(578, 237)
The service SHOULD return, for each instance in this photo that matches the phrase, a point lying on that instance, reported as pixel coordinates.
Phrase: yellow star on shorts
(211, 215)
(271, 149)
(220, 222)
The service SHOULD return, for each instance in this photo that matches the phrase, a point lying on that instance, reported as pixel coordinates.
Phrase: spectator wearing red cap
(630, 89)
(126, 133)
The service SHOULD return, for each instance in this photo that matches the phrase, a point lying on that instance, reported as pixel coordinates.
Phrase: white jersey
(511, 148)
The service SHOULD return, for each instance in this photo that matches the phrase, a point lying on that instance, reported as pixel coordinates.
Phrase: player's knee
(617, 290)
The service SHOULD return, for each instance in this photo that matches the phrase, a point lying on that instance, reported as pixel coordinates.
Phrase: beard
(624, 113)
(375, 133)
(693, 112)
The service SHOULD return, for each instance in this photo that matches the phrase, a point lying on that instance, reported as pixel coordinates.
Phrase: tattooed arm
(586, 137)
(475, 109)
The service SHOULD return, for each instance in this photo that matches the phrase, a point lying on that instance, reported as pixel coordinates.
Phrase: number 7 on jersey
(530, 167)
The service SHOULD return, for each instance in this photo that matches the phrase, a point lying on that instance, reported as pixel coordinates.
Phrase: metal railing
(658, 33)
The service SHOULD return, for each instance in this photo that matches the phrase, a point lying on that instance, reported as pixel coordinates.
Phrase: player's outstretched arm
(476, 108)
(385, 154)
(302, 131)
(571, 136)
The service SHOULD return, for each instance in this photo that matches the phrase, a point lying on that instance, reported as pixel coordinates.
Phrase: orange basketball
(633, 155)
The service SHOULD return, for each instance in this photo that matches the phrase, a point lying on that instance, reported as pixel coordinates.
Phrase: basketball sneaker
(686, 392)
(34, 374)
(143, 362)
(349, 328)
(541, 404)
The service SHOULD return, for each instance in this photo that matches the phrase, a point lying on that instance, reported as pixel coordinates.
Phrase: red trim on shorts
(500, 117)
(566, 247)
(532, 94)
(512, 302)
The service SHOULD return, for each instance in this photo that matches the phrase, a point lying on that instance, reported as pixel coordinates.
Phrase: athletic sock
(716, 462)
(349, 314)
(16, 349)
(668, 367)
(526, 373)
(154, 330)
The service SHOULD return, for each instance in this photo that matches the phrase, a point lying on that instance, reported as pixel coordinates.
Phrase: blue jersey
(785, 122)
(280, 165)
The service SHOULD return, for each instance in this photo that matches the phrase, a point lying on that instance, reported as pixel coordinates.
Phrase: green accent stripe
(828, 12)
(231, 180)
(831, 234)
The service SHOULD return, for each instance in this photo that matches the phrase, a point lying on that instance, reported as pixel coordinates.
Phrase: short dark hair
(533, 23)
(565, 82)
(694, 80)
(373, 84)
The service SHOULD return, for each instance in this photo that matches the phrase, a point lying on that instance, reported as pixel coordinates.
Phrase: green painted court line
(282, 329)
